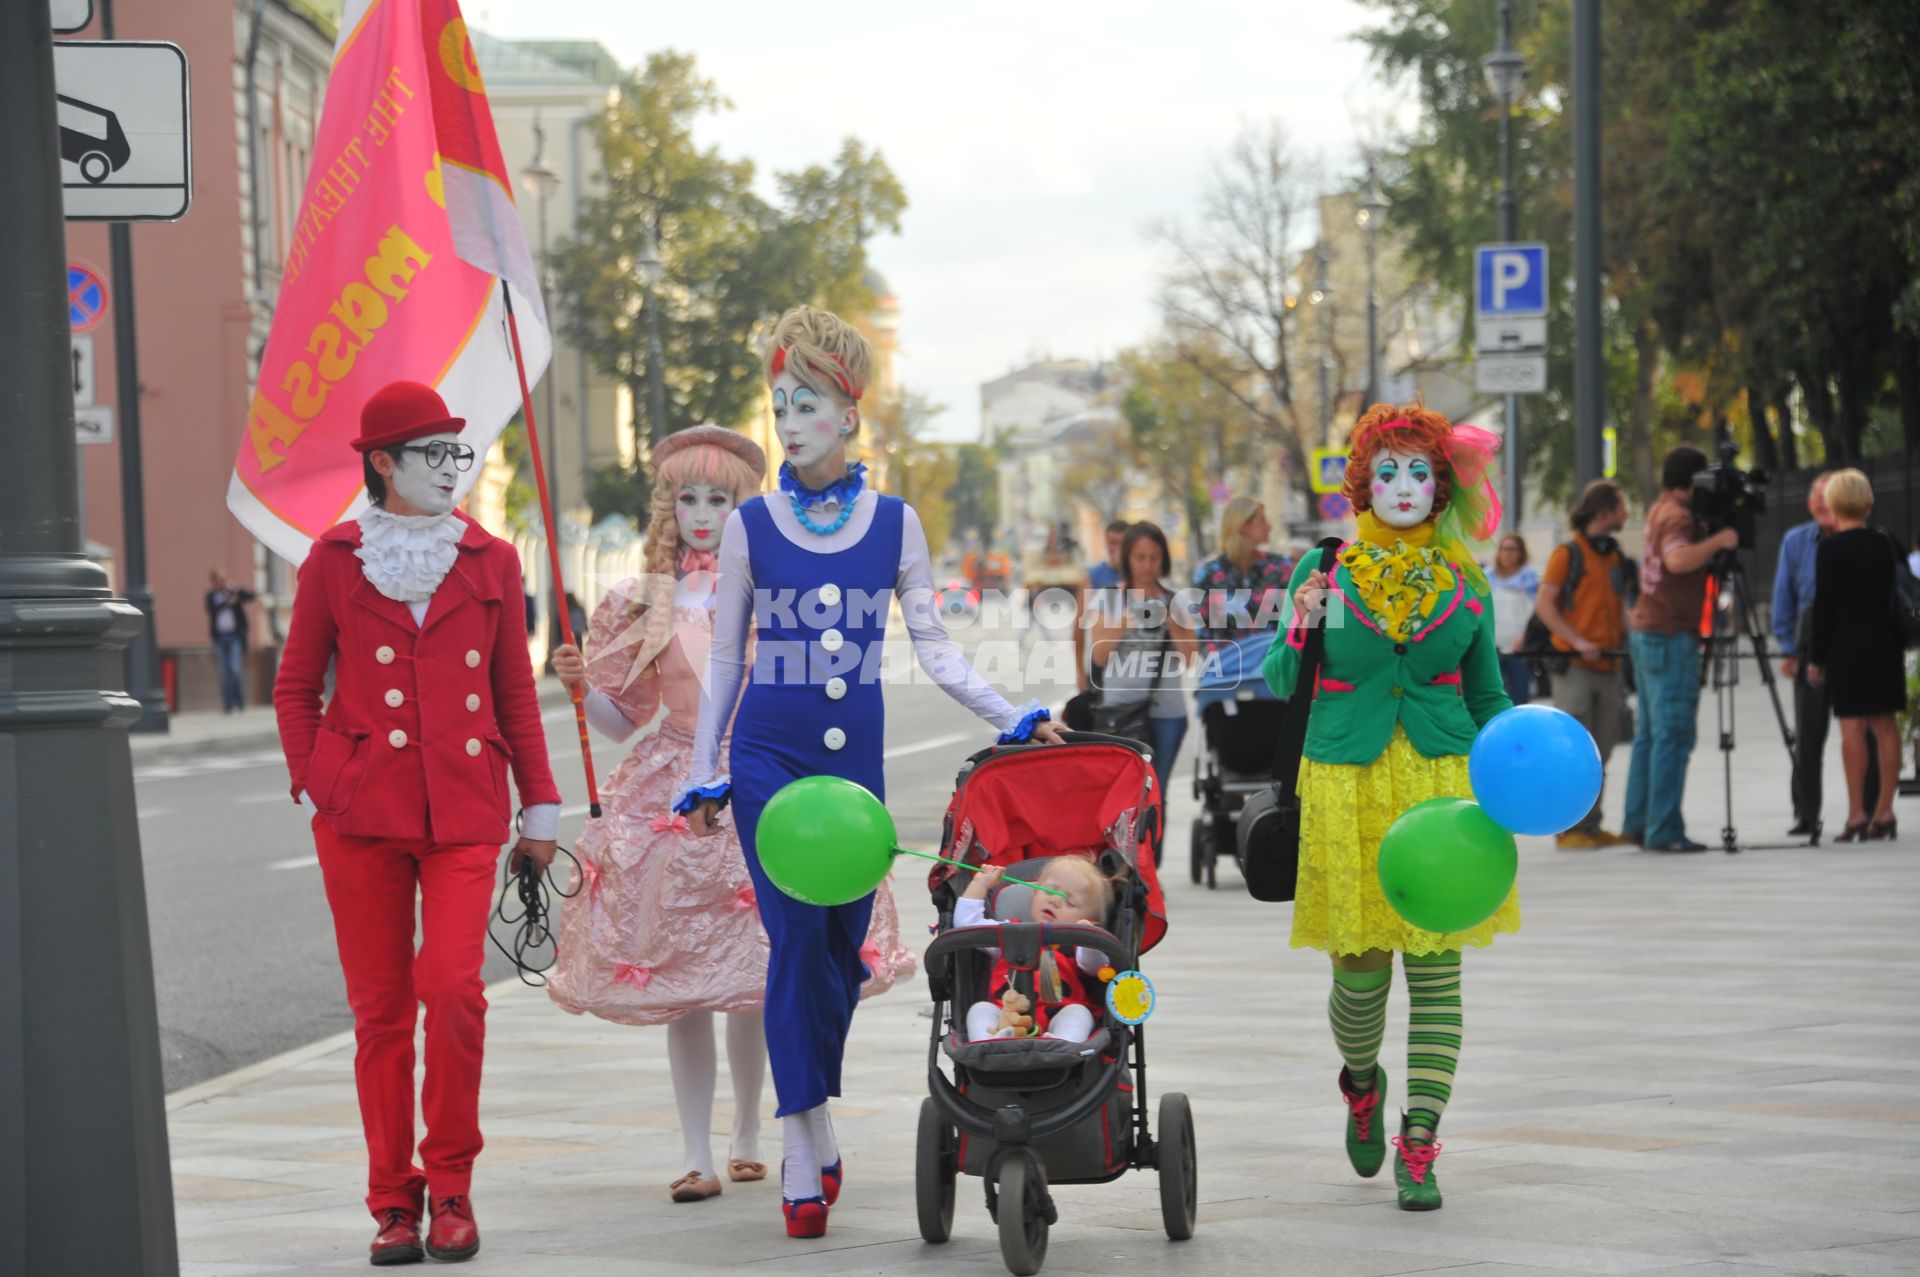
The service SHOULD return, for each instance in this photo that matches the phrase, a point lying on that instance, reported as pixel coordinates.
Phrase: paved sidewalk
(1698, 1063)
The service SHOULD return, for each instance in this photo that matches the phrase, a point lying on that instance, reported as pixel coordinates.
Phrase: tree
(1228, 299)
(975, 491)
(1182, 421)
(729, 259)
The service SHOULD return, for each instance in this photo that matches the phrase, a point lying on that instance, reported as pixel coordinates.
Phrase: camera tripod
(1733, 614)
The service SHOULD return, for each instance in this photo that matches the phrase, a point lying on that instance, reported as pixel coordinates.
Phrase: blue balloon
(1535, 770)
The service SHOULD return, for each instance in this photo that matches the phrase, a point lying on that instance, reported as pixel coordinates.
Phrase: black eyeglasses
(437, 453)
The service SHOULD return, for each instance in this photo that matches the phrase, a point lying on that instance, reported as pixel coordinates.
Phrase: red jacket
(425, 720)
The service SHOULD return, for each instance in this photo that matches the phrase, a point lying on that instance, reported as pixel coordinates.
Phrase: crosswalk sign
(1329, 469)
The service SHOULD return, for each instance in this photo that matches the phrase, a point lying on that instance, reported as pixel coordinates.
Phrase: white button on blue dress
(832, 640)
(835, 739)
(836, 688)
(829, 595)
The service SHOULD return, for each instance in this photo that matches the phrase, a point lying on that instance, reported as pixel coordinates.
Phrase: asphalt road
(243, 950)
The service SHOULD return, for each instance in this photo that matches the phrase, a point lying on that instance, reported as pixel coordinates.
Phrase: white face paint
(700, 509)
(428, 489)
(1403, 488)
(808, 423)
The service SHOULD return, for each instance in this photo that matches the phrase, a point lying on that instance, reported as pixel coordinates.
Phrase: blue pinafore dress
(812, 708)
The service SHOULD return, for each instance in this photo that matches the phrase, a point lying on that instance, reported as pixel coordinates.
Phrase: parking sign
(1510, 281)
(1510, 318)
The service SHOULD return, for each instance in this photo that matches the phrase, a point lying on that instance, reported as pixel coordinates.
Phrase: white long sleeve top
(938, 655)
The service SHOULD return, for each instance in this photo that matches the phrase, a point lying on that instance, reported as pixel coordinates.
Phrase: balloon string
(927, 855)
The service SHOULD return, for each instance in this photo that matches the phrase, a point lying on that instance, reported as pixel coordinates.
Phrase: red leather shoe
(806, 1218)
(398, 1241)
(830, 1177)
(452, 1236)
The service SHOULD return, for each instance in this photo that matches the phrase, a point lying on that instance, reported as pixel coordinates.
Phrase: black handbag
(1130, 719)
(1904, 600)
(1268, 832)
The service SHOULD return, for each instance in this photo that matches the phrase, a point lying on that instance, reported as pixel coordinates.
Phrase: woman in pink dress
(665, 929)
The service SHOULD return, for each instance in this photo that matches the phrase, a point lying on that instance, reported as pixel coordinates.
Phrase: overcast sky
(1037, 142)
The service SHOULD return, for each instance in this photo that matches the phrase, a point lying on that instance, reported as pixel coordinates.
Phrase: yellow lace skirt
(1345, 811)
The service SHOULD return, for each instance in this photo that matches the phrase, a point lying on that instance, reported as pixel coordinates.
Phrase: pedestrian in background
(1135, 639)
(1583, 605)
(1515, 585)
(1245, 586)
(227, 621)
(1793, 590)
(1105, 575)
(1855, 653)
(1664, 637)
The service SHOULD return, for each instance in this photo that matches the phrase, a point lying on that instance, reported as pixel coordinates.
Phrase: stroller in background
(1241, 719)
(1027, 1113)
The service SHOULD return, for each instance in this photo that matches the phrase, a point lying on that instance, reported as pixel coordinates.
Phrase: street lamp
(1322, 299)
(652, 270)
(1506, 72)
(1371, 216)
(541, 182)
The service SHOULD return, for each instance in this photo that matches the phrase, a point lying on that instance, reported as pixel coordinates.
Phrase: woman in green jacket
(1411, 672)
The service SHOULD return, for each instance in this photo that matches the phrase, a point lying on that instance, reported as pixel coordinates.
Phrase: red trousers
(372, 884)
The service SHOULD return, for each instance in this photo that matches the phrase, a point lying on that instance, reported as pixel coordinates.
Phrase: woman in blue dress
(813, 572)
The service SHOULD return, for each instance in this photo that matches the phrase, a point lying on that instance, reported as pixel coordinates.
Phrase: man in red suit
(419, 611)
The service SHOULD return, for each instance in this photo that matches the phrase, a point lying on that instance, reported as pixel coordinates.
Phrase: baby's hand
(983, 879)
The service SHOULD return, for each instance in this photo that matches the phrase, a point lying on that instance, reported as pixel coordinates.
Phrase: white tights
(808, 1146)
(1071, 1023)
(690, 1055)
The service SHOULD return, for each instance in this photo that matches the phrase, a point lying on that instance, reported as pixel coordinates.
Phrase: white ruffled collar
(405, 557)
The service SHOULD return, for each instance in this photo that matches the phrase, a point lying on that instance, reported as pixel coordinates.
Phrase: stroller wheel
(1202, 844)
(1022, 1216)
(935, 1163)
(1178, 1164)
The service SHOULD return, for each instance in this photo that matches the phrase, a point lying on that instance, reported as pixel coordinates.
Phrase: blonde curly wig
(826, 353)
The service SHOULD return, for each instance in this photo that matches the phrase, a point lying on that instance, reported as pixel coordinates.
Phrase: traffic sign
(1220, 492)
(1329, 469)
(1510, 373)
(1510, 280)
(125, 150)
(1333, 505)
(93, 425)
(82, 371)
(86, 297)
(1609, 452)
(71, 15)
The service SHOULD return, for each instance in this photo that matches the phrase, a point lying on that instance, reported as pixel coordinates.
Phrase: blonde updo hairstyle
(825, 354)
(704, 463)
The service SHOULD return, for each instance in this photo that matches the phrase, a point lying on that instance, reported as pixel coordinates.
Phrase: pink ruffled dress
(665, 922)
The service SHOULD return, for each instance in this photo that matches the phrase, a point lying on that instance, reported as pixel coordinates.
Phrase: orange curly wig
(1407, 428)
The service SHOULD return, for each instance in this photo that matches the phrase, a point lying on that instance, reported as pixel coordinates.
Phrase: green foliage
(974, 493)
(616, 489)
(1761, 178)
(1183, 429)
(730, 260)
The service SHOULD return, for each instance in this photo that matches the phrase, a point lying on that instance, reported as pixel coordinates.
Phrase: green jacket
(1441, 685)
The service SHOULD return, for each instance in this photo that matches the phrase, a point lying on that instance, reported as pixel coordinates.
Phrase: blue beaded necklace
(846, 490)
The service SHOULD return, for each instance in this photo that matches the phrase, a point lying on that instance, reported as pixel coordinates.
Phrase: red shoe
(830, 1177)
(398, 1241)
(805, 1218)
(453, 1236)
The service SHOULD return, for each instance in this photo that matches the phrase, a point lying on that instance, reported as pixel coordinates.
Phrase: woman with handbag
(1411, 671)
(1856, 652)
(1143, 638)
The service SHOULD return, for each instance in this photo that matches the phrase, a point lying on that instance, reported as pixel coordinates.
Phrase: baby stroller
(1241, 718)
(1027, 1113)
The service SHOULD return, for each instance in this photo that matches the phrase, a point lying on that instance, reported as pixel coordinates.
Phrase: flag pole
(553, 548)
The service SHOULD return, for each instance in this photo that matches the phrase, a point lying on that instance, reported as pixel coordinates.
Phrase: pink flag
(407, 225)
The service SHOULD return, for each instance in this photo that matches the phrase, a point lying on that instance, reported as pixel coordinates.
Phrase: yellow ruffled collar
(1398, 574)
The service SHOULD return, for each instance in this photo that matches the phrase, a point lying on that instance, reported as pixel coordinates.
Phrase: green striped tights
(1357, 1010)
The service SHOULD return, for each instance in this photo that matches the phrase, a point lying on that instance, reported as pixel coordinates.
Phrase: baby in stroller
(1061, 1008)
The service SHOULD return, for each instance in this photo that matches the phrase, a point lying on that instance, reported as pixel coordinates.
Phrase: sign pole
(143, 654)
(85, 1182)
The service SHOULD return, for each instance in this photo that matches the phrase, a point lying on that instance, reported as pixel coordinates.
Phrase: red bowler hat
(403, 410)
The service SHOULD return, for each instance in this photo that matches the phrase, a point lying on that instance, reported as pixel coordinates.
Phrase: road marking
(297, 862)
(148, 813)
(246, 800)
(934, 742)
(581, 810)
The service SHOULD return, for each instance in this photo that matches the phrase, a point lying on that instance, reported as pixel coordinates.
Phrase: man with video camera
(1664, 637)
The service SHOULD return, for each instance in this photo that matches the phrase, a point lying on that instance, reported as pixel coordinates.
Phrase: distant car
(957, 601)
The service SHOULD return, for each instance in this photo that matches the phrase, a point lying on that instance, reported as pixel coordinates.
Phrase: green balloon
(825, 840)
(1445, 866)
